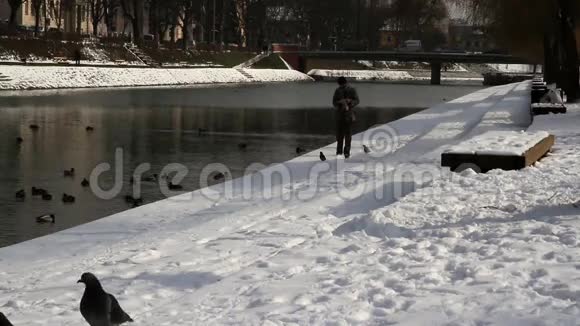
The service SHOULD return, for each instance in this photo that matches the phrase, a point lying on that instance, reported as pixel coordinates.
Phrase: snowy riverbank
(18, 77)
(374, 247)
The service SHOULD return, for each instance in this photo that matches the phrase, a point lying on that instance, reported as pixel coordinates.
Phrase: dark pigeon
(135, 202)
(68, 199)
(98, 307)
(366, 149)
(85, 183)
(48, 218)
(322, 157)
(173, 186)
(38, 191)
(4, 321)
(21, 194)
(219, 176)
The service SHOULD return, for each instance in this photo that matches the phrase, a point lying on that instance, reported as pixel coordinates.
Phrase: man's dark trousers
(343, 133)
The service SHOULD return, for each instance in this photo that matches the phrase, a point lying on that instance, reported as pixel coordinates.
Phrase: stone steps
(144, 58)
(4, 78)
(244, 73)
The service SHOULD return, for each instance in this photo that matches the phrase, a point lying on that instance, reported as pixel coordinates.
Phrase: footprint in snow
(146, 256)
(538, 273)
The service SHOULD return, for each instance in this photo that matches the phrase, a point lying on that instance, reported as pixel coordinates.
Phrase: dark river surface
(161, 126)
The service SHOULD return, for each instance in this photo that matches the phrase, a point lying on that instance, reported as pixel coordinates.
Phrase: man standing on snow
(78, 56)
(345, 100)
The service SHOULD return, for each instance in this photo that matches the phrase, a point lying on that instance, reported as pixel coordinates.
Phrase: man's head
(342, 81)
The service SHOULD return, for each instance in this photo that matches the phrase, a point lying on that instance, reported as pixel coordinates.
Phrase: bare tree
(110, 12)
(155, 20)
(168, 16)
(37, 10)
(226, 5)
(242, 16)
(98, 11)
(57, 10)
(187, 16)
(133, 10)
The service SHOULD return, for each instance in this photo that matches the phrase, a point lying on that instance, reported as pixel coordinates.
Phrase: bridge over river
(298, 59)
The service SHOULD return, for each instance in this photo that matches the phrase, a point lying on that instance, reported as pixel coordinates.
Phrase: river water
(161, 126)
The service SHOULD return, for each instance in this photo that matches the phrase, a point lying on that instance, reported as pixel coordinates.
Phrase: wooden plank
(484, 163)
(537, 152)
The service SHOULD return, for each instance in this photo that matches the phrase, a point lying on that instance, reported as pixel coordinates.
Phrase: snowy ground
(369, 246)
(17, 77)
(514, 68)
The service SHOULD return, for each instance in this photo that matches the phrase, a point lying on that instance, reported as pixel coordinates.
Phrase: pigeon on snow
(322, 157)
(98, 307)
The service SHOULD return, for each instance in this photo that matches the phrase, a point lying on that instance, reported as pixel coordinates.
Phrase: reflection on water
(156, 126)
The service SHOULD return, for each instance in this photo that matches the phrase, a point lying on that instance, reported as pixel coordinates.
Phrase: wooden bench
(548, 100)
(547, 108)
(495, 152)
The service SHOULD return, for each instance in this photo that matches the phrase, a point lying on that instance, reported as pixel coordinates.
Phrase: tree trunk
(78, 19)
(242, 13)
(551, 66)
(373, 26)
(185, 29)
(12, 22)
(133, 11)
(202, 23)
(155, 21)
(37, 15)
(225, 11)
(96, 15)
(58, 12)
(570, 75)
(137, 21)
(45, 14)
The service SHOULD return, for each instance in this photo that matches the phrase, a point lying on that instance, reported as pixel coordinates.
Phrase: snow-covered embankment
(368, 241)
(15, 77)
